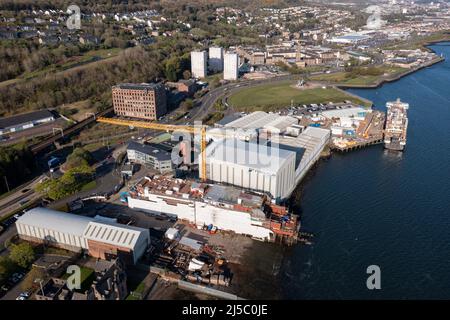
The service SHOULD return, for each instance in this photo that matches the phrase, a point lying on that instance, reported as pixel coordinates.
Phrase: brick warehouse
(144, 101)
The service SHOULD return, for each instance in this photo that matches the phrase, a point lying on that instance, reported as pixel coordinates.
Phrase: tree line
(16, 164)
(139, 64)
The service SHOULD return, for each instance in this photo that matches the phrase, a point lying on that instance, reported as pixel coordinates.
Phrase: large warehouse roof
(251, 155)
(257, 119)
(55, 221)
(347, 112)
(115, 234)
(260, 119)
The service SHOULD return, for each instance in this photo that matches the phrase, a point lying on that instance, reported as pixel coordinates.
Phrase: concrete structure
(215, 59)
(231, 66)
(229, 159)
(144, 101)
(25, 121)
(252, 166)
(78, 233)
(199, 64)
(150, 156)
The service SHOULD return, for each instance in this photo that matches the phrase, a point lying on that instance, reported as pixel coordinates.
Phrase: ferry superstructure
(396, 125)
(225, 207)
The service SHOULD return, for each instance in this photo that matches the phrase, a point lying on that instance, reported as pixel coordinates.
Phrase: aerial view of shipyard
(224, 150)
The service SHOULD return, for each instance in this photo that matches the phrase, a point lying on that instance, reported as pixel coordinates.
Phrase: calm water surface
(371, 207)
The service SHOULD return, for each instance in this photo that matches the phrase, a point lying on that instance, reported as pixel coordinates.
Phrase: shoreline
(244, 270)
(399, 76)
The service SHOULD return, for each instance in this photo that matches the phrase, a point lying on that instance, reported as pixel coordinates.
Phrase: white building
(101, 239)
(216, 59)
(224, 207)
(231, 66)
(251, 166)
(199, 64)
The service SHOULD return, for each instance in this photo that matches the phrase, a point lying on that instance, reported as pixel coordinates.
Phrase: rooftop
(138, 86)
(55, 221)
(113, 233)
(25, 118)
(159, 154)
(249, 154)
(188, 189)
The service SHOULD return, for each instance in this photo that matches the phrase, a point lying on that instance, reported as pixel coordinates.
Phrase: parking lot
(126, 215)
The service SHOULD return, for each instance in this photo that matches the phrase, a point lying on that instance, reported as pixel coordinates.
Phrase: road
(23, 195)
(209, 99)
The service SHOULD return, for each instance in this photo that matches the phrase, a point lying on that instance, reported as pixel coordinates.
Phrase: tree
(187, 74)
(79, 157)
(22, 254)
(5, 268)
(188, 104)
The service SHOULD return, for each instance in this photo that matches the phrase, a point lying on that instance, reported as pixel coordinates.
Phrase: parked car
(23, 296)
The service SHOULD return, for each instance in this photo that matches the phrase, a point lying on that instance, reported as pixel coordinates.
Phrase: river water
(372, 207)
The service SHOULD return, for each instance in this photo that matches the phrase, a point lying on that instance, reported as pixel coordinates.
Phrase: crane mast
(165, 127)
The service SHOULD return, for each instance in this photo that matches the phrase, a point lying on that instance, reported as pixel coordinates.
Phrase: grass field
(345, 78)
(276, 96)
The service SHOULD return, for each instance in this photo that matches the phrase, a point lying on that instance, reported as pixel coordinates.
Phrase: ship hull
(394, 146)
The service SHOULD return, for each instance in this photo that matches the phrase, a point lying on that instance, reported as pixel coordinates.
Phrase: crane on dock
(168, 128)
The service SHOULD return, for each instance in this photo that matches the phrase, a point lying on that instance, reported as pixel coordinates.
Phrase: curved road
(209, 99)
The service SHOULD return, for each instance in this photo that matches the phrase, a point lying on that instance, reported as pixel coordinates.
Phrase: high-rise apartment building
(199, 64)
(231, 66)
(216, 59)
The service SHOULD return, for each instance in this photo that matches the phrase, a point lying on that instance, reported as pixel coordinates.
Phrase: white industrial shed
(73, 232)
(251, 166)
(132, 239)
(272, 122)
(54, 227)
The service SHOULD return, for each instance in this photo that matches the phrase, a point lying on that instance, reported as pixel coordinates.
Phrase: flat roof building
(231, 66)
(144, 101)
(199, 64)
(155, 158)
(215, 59)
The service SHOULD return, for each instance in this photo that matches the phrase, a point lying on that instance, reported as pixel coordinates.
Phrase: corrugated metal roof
(115, 234)
(257, 119)
(316, 132)
(25, 118)
(55, 220)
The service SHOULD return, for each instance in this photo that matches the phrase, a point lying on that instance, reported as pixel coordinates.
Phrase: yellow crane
(165, 127)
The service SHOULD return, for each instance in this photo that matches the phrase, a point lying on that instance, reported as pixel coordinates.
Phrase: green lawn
(344, 77)
(89, 186)
(276, 96)
(87, 277)
(137, 293)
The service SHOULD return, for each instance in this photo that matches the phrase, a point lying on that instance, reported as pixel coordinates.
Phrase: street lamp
(6, 182)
